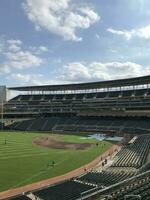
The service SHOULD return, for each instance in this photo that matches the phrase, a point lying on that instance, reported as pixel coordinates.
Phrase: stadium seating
(136, 188)
(79, 124)
(69, 190)
(135, 154)
(106, 177)
(58, 103)
(125, 164)
(20, 197)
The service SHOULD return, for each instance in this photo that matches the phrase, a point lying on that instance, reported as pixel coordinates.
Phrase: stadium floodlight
(132, 195)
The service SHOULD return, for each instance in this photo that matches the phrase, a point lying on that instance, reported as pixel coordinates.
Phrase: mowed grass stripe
(20, 153)
(23, 156)
(7, 146)
(24, 151)
(9, 150)
(14, 151)
(25, 143)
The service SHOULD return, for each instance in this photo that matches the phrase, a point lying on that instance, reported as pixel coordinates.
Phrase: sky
(72, 41)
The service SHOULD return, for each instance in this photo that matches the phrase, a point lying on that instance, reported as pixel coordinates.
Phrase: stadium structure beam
(145, 80)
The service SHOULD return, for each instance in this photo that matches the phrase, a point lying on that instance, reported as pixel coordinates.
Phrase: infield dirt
(53, 142)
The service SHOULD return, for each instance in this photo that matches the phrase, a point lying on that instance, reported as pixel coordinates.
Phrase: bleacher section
(135, 154)
(126, 164)
(20, 197)
(69, 190)
(75, 103)
(107, 177)
(135, 188)
(79, 124)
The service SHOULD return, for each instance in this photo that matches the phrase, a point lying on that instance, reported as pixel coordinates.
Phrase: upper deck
(120, 84)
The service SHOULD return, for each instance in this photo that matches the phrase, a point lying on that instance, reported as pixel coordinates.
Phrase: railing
(100, 194)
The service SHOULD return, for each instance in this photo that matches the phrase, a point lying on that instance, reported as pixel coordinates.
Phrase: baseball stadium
(83, 141)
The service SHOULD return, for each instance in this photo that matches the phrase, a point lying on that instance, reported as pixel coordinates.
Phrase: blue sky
(63, 41)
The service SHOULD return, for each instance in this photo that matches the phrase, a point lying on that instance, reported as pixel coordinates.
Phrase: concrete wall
(3, 94)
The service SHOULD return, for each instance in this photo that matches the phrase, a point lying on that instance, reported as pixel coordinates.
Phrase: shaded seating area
(138, 99)
(124, 165)
(135, 154)
(68, 190)
(105, 178)
(79, 124)
(136, 189)
(21, 197)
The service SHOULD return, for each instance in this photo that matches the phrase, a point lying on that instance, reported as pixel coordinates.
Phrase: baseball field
(29, 157)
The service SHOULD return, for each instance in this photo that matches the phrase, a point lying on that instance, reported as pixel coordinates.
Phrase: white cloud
(17, 42)
(126, 34)
(39, 50)
(17, 56)
(143, 32)
(43, 48)
(84, 72)
(33, 79)
(27, 78)
(97, 71)
(4, 69)
(75, 72)
(14, 45)
(60, 17)
(22, 60)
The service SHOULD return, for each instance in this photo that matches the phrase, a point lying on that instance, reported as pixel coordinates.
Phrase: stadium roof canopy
(144, 80)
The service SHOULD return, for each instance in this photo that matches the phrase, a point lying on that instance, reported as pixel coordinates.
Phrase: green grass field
(22, 163)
